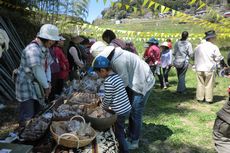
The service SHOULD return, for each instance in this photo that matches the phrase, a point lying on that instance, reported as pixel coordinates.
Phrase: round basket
(102, 124)
(70, 140)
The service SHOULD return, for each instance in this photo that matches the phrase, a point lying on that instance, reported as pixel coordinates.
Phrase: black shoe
(209, 102)
(200, 101)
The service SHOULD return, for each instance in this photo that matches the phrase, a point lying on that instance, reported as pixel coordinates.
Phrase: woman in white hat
(166, 62)
(33, 76)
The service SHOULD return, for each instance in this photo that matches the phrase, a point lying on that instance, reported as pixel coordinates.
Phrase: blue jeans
(120, 133)
(138, 102)
(181, 72)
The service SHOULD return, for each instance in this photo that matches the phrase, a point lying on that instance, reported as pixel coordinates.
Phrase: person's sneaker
(133, 145)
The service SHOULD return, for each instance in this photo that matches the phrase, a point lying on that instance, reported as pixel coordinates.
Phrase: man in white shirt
(207, 56)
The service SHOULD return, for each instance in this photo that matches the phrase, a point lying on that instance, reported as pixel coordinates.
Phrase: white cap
(49, 31)
(97, 48)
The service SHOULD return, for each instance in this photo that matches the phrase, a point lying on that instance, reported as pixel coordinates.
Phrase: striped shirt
(115, 95)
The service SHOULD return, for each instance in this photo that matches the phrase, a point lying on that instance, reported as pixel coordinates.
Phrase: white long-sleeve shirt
(166, 58)
(207, 56)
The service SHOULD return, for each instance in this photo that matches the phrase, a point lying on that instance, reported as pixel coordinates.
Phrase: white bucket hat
(165, 44)
(97, 48)
(49, 31)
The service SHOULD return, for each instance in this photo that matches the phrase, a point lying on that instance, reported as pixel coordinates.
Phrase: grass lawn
(178, 123)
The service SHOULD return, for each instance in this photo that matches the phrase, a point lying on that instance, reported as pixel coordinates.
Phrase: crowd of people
(128, 78)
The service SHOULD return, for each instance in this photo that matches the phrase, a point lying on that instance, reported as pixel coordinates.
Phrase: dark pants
(221, 136)
(156, 69)
(120, 133)
(28, 109)
(181, 72)
(166, 74)
(57, 87)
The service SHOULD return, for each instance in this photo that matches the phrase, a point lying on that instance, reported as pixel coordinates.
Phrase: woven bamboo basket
(87, 99)
(70, 140)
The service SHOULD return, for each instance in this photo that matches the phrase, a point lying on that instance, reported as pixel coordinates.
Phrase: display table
(15, 148)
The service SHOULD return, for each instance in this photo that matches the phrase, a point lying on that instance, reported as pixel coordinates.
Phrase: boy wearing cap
(34, 73)
(207, 56)
(115, 97)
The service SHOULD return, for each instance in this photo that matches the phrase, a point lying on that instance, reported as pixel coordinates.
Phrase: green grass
(178, 123)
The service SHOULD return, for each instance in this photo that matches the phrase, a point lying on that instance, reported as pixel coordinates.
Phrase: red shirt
(152, 54)
(63, 62)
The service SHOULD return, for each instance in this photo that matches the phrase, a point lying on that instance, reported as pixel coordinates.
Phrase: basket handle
(68, 134)
(79, 117)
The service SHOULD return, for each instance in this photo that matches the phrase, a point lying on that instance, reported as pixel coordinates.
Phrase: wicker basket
(87, 99)
(70, 140)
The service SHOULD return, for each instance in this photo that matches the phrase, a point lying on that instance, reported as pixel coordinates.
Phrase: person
(166, 62)
(138, 80)
(34, 73)
(58, 78)
(221, 129)
(182, 52)
(110, 38)
(115, 97)
(4, 41)
(152, 56)
(75, 56)
(207, 56)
